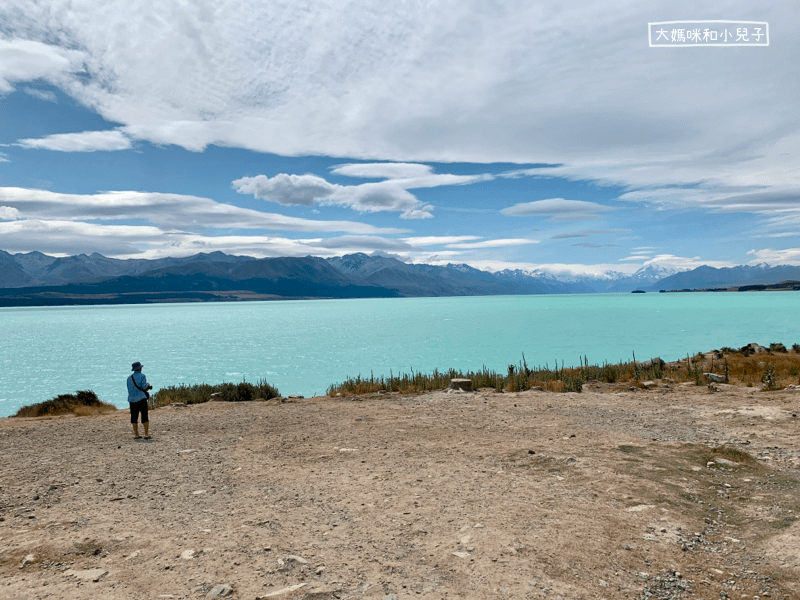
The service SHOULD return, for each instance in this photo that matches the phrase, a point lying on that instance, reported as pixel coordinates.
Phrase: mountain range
(35, 278)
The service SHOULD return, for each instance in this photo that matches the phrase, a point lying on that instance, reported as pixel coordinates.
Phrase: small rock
(726, 462)
(714, 377)
(219, 591)
(187, 554)
(87, 575)
(461, 554)
(297, 559)
(464, 385)
(640, 507)
(28, 559)
(284, 591)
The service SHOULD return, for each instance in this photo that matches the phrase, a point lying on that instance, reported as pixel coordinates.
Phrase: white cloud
(783, 234)
(4, 158)
(421, 213)
(28, 60)
(558, 209)
(439, 82)
(587, 233)
(787, 256)
(383, 170)
(499, 243)
(637, 257)
(64, 238)
(172, 211)
(560, 270)
(682, 263)
(8, 213)
(433, 240)
(303, 190)
(46, 95)
(349, 244)
(85, 141)
(389, 195)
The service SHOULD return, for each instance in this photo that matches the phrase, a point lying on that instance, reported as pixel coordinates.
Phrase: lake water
(303, 346)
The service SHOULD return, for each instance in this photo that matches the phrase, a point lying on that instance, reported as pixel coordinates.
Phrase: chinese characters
(708, 33)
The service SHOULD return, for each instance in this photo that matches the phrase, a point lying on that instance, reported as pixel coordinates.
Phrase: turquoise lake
(303, 346)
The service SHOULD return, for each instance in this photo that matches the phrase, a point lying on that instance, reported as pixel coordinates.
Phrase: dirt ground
(671, 492)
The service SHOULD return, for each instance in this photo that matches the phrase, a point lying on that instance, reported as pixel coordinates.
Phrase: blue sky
(547, 137)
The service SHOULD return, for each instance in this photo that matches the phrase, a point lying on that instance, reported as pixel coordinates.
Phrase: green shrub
(777, 347)
(768, 379)
(81, 403)
(201, 392)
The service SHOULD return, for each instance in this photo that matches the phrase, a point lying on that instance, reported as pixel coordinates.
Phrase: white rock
(219, 591)
(284, 591)
(640, 507)
(87, 575)
(461, 554)
(187, 554)
(26, 560)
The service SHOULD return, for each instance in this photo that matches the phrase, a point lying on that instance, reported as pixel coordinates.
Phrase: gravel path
(610, 493)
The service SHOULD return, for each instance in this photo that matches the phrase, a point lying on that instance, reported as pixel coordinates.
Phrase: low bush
(201, 392)
(81, 403)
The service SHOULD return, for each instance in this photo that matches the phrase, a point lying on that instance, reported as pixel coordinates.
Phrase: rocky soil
(672, 492)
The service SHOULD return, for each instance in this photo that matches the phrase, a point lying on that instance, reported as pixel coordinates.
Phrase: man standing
(137, 398)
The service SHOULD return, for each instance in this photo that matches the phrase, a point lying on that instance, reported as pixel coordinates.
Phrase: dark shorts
(137, 408)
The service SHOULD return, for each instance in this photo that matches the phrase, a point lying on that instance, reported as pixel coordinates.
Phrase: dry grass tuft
(773, 370)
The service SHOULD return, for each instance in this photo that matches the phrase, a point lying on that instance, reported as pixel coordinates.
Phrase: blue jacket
(134, 395)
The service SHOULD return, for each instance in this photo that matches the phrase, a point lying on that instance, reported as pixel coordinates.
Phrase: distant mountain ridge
(705, 277)
(38, 278)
